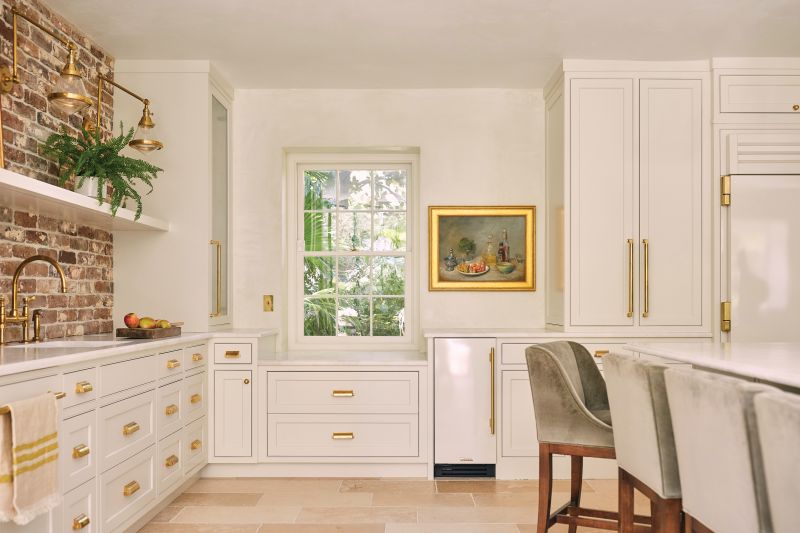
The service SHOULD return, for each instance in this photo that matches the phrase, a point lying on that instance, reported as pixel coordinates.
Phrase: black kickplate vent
(463, 470)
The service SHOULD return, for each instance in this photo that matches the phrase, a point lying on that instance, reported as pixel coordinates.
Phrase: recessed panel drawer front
(233, 353)
(195, 357)
(194, 396)
(514, 353)
(307, 435)
(759, 94)
(168, 462)
(78, 449)
(343, 392)
(80, 509)
(127, 489)
(170, 365)
(127, 374)
(169, 409)
(126, 427)
(80, 386)
(194, 445)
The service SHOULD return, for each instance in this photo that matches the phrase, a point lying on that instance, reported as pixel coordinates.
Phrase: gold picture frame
(482, 248)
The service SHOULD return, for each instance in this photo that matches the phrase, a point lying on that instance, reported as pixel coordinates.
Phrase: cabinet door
(220, 249)
(601, 216)
(670, 209)
(232, 413)
(519, 424)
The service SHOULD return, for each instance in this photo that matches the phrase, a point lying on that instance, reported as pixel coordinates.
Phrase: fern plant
(88, 155)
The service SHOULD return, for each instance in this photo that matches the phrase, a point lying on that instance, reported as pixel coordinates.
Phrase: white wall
(477, 147)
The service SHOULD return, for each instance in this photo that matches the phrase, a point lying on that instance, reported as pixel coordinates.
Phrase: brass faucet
(17, 317)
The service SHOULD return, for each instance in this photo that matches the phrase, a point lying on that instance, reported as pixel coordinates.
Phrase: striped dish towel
(29, 459)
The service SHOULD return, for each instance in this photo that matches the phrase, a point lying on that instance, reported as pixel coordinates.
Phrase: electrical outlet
(268, 303)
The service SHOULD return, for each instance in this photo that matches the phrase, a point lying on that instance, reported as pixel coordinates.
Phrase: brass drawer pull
(796, 107)
(81, 450)
(343, 393)
(131, 488)
(171, 409)
(231, 354)
(171, 461)
(246, 381)
(630, 278)
(173, 363)
(80, 522)
(600, 353)
(83, 387)
(130, 428)
(218, 293)
(60, 395)
(348, 435)
(196, 357)
(196, 444)
(196, 398)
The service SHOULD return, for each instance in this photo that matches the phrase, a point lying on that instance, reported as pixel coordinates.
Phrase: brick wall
(84, 252)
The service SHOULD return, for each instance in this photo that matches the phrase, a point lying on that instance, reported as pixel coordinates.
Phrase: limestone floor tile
(321, 498)
(451, 528)
(388, 485)
(260, 484)
(219, 499)
(236, 515)
(491, 485)
(356, 515)
(199, 528)
(421, 499)
(167, 513)
(512, 499)
(322, 528)
(484, 515)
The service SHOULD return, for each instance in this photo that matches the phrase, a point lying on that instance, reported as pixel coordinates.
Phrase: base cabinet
(519, 424)
(233, 400)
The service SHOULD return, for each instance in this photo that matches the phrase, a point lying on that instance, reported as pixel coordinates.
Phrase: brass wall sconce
(143, 138)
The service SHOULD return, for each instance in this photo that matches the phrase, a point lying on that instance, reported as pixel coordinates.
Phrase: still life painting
(482, 248)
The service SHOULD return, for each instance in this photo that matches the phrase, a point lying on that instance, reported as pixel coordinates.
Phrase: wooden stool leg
(625, 502)
(576, 482)
(667, 516)
(687, 524)
(545, 487)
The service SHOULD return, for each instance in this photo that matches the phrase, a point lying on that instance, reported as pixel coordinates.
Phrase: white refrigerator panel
(463, 402)
(765, 258)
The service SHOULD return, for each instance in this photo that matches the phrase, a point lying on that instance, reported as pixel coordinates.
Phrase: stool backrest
(719, 456)
(643, 433)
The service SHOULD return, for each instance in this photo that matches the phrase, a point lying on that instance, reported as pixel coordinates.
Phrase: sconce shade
(143, 140)
(69, 94)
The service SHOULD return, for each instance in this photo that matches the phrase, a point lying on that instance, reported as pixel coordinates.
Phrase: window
(354, 270)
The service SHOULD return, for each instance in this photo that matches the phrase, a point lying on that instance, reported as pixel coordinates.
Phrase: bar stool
(572, 418)
(778, 417)
(644, 441)
(719, 457)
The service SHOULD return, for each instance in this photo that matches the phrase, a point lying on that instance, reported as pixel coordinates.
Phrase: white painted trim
(592, 65)
(782, 63)
(340, 469)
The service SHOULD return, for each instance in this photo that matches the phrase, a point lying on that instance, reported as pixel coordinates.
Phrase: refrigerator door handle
(491, 390)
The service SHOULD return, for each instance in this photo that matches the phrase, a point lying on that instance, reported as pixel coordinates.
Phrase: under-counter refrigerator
(464, 407)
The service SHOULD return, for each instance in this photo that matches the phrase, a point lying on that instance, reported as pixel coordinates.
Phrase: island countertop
(772, 362)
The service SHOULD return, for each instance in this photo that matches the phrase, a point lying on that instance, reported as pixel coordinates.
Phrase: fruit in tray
(163, 324)
(131, 320)
(473, 268)
(147, 323)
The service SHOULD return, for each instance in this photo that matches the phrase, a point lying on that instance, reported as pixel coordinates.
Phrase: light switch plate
(268, 308)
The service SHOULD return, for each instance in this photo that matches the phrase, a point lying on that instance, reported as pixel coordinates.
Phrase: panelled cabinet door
(233, 396)
(602, 203)
(671, 208)
(220, 249)
(519, 424)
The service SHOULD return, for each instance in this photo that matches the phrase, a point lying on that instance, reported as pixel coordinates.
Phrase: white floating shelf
(27, 194)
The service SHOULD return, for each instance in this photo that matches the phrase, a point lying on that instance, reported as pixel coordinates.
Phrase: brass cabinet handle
(796, 107)
(646, 261)
(246, 381)
(196, 357)
(343, 393)
(343, 435)
(173, 363)
(80, 522)
(196, 398)
(60, 395)
(171, 461)
(131, 488)
(218, 305)
(231, 354)
(81, 450)
(170, 409)
(630, 277)
(130, 428)
(600, 353)
(196, 444)
(491, 390)
(83, 387)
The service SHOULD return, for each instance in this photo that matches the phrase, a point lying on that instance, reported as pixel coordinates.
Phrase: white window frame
(296, 162)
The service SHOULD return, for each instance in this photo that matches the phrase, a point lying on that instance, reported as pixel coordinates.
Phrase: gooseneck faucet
(14, 315)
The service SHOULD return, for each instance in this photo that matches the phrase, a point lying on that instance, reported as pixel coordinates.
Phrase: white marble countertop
(549, 333)
(773, 362)
(350, 358)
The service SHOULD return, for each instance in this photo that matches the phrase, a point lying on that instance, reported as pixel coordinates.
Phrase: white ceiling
(428, 43)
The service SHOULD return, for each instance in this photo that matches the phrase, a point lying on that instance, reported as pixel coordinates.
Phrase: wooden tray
(155, 333)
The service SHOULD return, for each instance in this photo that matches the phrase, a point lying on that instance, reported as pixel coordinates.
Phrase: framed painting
(482, 248)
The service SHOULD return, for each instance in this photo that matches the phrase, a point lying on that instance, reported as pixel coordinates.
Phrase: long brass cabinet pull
(491, 390)
(82, 387)
(646, 261)
(80, 522)
(218, 304)
(232, 354)
(81, 450)
(630, 277)
(343, 393)
(344, 435)
(131, 488)
(130, 428)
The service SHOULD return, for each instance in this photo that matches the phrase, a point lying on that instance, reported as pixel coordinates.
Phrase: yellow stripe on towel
(33, 455)
(7, 478)
(28, 445)
(34, 466)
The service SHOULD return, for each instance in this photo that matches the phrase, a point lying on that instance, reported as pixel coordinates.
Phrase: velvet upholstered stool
(572, 418)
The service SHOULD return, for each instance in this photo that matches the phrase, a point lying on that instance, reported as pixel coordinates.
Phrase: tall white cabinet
(628, 182)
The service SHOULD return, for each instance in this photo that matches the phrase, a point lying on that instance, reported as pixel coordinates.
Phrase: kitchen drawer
(78, 455)
(343, 392)
(759, 94)
(80, 386)
(126, 427)
(194, 397)
(33, 387)
(127, 489)
(127, 374)
(168, 462)
(233, 353)
(194, 445)
(195, 357)
(514, 353)
(169, 409)
(170, 365)
(79, 511)
(309, 435)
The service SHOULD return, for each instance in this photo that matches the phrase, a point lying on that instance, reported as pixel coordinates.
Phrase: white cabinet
(518, 422)
(758, 93)
(219, 279)
(233, 397)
